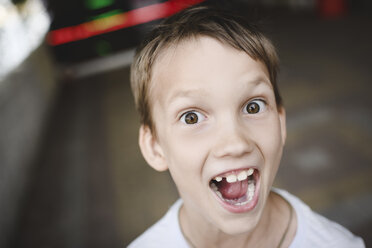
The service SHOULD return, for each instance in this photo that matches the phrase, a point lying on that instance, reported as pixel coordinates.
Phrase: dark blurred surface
(90, 187)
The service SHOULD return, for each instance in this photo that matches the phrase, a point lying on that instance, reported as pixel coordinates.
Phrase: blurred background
(71, 173)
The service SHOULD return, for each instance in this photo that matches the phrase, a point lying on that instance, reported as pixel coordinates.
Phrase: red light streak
(118, 21)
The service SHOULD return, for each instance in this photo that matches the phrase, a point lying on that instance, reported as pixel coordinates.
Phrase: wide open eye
(192, 117)
(255, 106)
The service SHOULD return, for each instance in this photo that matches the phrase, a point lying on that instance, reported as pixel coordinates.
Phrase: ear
(151, 149)
(283, 126)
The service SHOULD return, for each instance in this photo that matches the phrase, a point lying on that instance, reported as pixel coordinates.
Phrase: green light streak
(106, 14)
(98, 4)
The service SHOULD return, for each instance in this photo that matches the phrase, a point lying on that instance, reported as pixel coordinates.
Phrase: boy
(205, 86)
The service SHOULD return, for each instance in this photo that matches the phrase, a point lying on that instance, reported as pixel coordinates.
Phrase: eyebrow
(187, 94)
(259, 79)
(190, 93)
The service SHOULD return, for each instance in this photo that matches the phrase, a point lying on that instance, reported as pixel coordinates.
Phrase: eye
(192, 117)
(255, 107)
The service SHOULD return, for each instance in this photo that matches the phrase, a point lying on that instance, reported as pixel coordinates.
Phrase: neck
(267, 233)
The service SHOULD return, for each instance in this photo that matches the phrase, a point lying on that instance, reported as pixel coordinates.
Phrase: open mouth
(237, 189)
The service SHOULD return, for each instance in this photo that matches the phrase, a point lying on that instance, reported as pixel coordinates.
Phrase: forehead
(199, 61)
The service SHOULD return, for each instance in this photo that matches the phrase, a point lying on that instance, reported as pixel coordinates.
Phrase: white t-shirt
(313, 230)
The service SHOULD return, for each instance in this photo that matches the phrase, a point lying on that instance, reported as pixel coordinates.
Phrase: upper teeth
(232, 178)
(242, 176)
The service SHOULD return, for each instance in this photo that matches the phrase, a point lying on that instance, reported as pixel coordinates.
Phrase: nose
(232, 140)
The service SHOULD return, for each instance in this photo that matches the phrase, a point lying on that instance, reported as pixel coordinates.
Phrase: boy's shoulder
(164, 233)
(314, 230)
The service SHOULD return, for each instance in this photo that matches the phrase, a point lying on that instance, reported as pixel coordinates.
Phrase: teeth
(214, 187)
(218, 179)
(231, 178)
(242, 176)
(250, 193)
(251, 187)
(219, 194)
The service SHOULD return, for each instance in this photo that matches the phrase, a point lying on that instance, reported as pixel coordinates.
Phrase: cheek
(271, 143)
(273, 153)
(185, 154)
(185, 163)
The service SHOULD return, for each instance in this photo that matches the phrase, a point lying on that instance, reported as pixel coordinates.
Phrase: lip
(236, 209)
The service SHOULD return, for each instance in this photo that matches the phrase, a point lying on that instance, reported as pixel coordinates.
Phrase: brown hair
(193, 22)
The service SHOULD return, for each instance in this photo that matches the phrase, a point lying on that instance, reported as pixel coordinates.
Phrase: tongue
(233, 190)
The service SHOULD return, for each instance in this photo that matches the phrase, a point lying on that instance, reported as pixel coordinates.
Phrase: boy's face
(215, 119)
